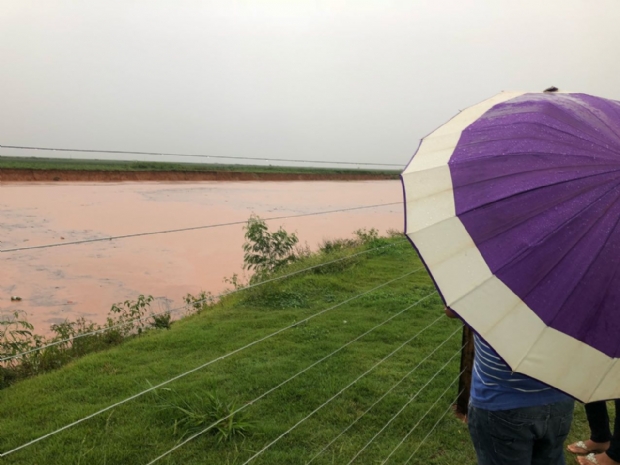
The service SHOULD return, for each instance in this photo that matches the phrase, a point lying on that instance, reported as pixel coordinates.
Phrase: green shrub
(265, 252)
(130, 314)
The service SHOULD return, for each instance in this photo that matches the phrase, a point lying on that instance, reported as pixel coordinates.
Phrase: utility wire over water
(177, 309)
(235, 351)
(193, 228)
(63, 283)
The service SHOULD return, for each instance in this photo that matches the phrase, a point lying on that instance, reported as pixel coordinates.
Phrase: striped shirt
(494, 386)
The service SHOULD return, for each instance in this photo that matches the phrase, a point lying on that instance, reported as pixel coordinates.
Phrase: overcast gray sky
(346, 80)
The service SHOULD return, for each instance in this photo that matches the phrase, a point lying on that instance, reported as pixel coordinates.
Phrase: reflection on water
(84, 280)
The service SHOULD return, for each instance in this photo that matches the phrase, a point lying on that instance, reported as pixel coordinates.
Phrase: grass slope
(140, 430)
(35, 163)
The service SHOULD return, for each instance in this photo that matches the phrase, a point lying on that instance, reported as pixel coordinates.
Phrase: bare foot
(587, 446)
(599, 459)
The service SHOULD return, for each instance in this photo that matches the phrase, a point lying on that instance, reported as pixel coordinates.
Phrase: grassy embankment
(35, 163)
(140, 430)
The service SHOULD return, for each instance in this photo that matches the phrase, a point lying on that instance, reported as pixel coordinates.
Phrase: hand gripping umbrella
(514, 207)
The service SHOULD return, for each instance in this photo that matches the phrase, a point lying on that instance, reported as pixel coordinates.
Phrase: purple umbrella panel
(513, 207)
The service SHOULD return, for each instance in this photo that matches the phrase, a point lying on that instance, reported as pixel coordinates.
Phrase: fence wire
(204, 365)
(422, 417)
(194, 436)
(184, 307)
(431, 430)
(383, 396)
(352, 383)
(404, 406)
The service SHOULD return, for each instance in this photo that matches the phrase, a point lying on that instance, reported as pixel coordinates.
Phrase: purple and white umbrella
(514, 207)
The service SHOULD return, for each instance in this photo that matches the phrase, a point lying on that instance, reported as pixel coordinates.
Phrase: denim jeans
(521, 436)
(598, 419)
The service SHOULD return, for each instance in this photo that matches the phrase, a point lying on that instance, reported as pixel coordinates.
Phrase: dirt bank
(34, 175)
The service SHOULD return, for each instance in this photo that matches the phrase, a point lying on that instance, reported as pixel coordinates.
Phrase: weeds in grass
(199, 302)
(367, 236)
(336, 245)
(393, 233)
(15, 334)
(203, 411)
(34, 354)
(162, 321)
(273, 297)
(130, 314)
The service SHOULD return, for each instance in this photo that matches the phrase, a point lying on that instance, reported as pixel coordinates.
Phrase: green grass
(140, 430)
(35, 163)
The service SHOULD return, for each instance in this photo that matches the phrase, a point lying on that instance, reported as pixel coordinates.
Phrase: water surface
(85, 280)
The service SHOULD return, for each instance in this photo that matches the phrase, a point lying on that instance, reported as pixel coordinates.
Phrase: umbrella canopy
(514, 207)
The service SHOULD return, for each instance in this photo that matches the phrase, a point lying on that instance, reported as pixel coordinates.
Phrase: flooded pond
(68, 282)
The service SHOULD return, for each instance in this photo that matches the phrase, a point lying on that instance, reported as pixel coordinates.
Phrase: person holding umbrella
(512, 418)
(603, 447)
(514, 208)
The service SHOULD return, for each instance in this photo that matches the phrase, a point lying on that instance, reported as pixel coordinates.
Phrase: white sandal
(591, 458)
(582, 445)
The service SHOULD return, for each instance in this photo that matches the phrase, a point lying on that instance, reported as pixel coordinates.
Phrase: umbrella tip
(551, 89)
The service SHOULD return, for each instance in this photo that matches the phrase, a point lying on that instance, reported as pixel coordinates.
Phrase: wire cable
(177, 309)
(204, 365)
(431, 431)
(342, 390)
(422, 418)
(404, 406)
(193, 228)
(164, 154)
(194, 436)
(385, 394)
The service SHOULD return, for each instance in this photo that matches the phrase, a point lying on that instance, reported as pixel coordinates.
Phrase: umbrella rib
(551, 169)
(611, 366)
(505, 198)
(577, 241)
(615, 109)
(543, 139)
(538, 188)
(596, 256)
(589, 110)
(545, 329)
(494, 274)
(585, 154)
(524, 252)
(590, 137)
(566, 199)
(516, 366)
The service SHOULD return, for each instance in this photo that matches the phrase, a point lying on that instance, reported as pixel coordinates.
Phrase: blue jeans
(521, 436)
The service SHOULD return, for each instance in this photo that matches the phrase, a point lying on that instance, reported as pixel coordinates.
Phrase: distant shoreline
(15, 169)
(47, 175)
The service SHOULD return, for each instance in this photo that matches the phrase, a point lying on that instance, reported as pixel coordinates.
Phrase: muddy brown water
(85, 280)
